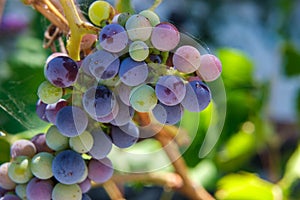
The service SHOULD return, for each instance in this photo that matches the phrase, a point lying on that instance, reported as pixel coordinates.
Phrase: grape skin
(39, 189)
(55, 140)
(40, 144)
(102, 144)
(198, 96)
(170, 90)
(48, 93)
(138, 27)
(19, 170)
(100, 170)
(85, 185)
(143, 98)
(52, 109)
(68, 167)
(22, 147)
(125, 136)
(82, 143)
(41, 110)
(5, 180)
(151, 16)
(169, 115)
(66, 192)
(138, 50)
(71, 121)
(210, 68)
(21, 191)
(186, 59)
(133, 73)
(99, 11)
(61, 71)
(41, 165)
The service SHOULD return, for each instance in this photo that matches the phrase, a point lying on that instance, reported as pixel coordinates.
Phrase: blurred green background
(257, 155)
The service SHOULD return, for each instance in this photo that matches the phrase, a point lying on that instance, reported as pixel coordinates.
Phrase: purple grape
(98, 101)
(41, 109)
(104, 65)
(5, 182)
(68, 167)
(125, 136)
(124, 115)
(38, 189)
(155, 58)
(198, 96)
(168, 114)
(40, 144)
(165, 36)
(102, 144)
(170, 90)
(52, 109)
(133, 73)
(71, 121)
(9, 196)
(100, 170)
(86, 185)
(22, 148)
(61, 71)
(111, 116)
(113, 38)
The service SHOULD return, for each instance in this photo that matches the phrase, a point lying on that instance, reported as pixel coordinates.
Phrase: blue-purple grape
(41, 110)
(98, 101)
(86, 197)
(170, 90)
(68, 167)
(61, 71)
(133, 73)
(125, 136)
(168, 114)
(197, 97)
(52, 109)
(38, 189)
(113, 38)
(9, 196)
(100, 170)
(85, 185)
(102, 144)
(71, 121)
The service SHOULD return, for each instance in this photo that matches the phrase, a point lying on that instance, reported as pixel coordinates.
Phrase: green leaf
(124, 6)
(237, 70)
(291, 60)
(246, 186)
(5, 150)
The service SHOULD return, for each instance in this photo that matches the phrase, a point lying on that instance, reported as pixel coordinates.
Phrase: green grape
(41, 165)
(55, 140)
(143, 98)
(99, 12)
(82, 143)
(21, 190)
(69, 192)
(151, 16)
(19, 170)
(138, 50)
(48, 93)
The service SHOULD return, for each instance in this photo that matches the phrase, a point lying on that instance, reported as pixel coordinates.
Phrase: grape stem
(155, 4)
(78, 28)
(171, 148)
(112, 190)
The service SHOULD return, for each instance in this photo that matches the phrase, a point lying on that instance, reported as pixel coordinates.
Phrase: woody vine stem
(66, 19)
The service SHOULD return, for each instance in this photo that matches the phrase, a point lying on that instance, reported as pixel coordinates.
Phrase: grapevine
(118, 73)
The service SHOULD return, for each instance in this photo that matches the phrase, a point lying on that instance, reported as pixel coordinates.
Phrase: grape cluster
(137, 65)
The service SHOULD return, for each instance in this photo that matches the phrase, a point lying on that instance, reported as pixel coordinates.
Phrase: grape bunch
(137, 64)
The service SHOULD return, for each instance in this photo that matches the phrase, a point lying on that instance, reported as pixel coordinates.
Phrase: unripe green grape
(55, 140)
(151, 16)
(138, 28)
(99, 12)
(138, 50)
(48, 93)
(82, 143)
(41, 165)
(66, 192)
(143, 98)
(21, 190)
(19, 170)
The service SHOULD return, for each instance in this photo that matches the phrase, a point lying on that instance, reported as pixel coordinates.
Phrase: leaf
(124, 6)
(291, 60)
(237, 68)
(5, 150)
(246, 186)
